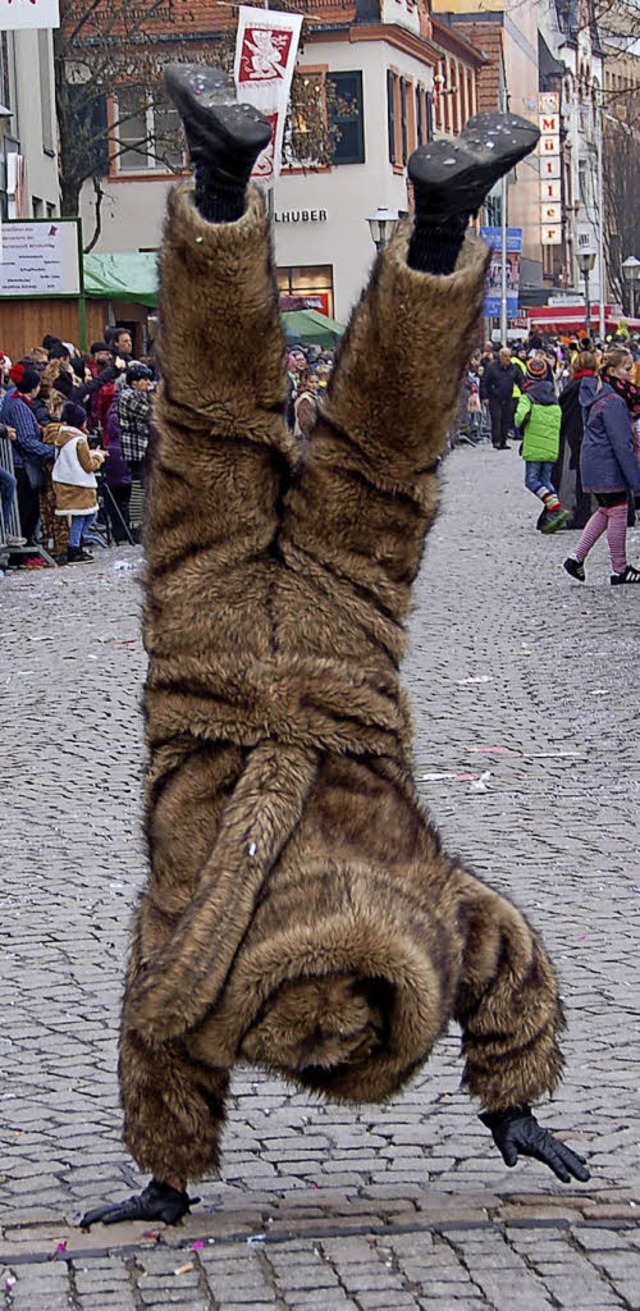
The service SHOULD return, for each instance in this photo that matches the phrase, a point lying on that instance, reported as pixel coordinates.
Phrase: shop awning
(128, 276)
(311, 328)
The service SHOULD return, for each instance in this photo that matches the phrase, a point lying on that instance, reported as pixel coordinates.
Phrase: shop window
(307, 287)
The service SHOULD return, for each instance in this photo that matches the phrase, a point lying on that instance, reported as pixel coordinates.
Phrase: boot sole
(214, 110)
(462, 171)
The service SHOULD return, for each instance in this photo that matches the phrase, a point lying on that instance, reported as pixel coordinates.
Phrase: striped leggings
(611, 519)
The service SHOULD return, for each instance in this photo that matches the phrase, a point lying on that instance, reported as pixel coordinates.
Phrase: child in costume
(300, 912)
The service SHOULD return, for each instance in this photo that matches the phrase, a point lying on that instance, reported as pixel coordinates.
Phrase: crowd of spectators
(88, 416)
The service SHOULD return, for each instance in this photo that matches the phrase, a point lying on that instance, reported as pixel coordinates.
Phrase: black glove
(156, 1202)
(517, 1131)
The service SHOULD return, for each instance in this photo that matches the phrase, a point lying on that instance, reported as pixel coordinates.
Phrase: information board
(15, 15)
(40, 257)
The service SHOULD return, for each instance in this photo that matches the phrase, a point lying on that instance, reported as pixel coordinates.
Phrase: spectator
(134, 413)
(117, 474)
(609, 464)
(306, 405)
(566, 471)
(538, 416)
(497, 388)
(74, 480)
(31, 456)
(121, 344)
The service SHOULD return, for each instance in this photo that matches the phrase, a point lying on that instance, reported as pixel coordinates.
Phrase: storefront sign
(18, 14)
(300, 216)
(266, 53)
(40, 258)
(550, 184)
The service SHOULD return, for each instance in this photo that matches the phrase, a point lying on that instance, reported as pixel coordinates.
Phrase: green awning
(311, 328)
(129, 276)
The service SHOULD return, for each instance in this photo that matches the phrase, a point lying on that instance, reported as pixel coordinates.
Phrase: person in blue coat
(31, 456)
(609, 464)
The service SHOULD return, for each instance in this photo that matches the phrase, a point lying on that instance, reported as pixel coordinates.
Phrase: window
(346, 116)
(309, 287)
(148, 136)
(582, 181)
(37, 208)
(404, 127)
(46, 99)
(391, 115)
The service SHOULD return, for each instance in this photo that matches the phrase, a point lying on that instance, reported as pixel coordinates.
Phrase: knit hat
(98, 348)
(137, 371)
(26, 379)
(74, 415)
(537, 368)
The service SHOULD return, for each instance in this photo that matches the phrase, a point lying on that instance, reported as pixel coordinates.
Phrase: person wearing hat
(538, 416)
(31, 455)
(74, 480)
(134, 413)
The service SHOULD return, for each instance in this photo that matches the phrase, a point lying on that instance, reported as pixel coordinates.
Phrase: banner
(18, 14)
(266, 52)
(493, 295)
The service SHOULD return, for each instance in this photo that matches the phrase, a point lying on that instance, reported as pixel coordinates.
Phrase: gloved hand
(156, 1202)
(517, 1131)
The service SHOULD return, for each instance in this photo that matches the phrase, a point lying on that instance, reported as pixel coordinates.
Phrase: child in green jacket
(538, 416)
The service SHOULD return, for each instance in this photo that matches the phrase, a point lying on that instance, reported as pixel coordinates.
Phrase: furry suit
(300, 913)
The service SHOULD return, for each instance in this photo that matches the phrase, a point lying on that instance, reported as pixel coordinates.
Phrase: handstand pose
(300, 913)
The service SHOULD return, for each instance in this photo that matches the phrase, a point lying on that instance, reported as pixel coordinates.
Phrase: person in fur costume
(300, 912)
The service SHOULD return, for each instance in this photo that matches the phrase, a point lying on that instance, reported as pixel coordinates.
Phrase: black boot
(224, 138)
(451, 179)
(157, 1201)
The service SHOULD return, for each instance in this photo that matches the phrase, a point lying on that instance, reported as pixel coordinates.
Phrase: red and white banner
(18, 14)
(266, 52)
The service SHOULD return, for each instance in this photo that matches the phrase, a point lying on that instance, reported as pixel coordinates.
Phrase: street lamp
(631, 274)
(586, 261)
(382, 225)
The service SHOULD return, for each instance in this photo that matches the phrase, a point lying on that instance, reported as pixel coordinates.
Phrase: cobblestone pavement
(522, 680)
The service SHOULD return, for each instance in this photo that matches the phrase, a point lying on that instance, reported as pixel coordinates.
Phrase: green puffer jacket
(538, 409)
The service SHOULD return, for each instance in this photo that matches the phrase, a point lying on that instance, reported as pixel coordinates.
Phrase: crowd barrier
(13, 526)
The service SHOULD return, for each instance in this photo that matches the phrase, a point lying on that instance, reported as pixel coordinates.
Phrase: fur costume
(300, 913)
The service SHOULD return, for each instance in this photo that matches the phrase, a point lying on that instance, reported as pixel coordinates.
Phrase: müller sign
(301, 216)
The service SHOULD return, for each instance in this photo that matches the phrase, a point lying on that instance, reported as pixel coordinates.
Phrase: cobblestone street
(525, 692)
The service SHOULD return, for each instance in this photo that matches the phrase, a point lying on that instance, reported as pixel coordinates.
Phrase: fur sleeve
(507, 1003)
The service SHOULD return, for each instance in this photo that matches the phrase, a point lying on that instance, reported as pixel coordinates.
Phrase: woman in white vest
(74, 479)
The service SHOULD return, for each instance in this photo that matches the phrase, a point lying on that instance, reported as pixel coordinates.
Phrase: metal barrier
(13, 527)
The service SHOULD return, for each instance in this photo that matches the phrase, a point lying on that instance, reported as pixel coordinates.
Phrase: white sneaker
(12, 540)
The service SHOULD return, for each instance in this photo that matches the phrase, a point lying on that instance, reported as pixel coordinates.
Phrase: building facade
(28, 162)
(381, 57)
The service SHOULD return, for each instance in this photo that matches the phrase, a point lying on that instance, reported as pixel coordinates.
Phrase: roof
(129, 276)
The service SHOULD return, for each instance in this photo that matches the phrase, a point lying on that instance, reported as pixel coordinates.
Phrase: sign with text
(265, 57)
(493, 294)
(40, 258)
(18, 14)
(550, 175)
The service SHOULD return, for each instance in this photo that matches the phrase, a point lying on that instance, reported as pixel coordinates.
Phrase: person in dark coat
(496, 386)
(566, 471)
(117, 476)
(609, 464)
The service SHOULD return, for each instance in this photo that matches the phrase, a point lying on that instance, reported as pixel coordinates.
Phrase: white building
(572, 37)
(382, 64)
(28, 155)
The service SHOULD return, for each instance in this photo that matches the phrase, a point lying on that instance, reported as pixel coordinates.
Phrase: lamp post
(586, 261)
(631, 274)
(382, 225)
